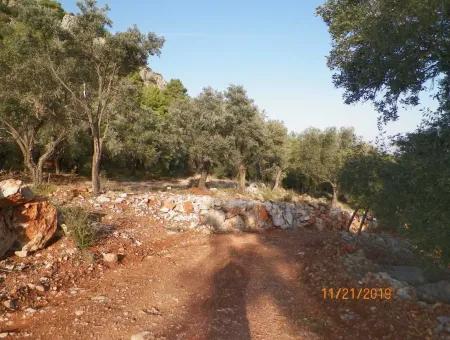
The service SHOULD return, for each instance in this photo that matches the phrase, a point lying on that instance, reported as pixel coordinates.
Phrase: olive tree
(91, 65)
(245, 128)
(201, 123)
(275, 151)
(388, 51)
(321, 155)
(32, 104)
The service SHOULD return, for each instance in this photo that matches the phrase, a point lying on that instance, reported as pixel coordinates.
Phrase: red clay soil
(233, 286)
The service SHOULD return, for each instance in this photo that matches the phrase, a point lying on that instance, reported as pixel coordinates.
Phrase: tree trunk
(205, 166)
(38, 174)
(203, 178)
(49, 151)
(96, 157)
(334, 198)
(352, 218)
(363, 220)
(31, 166)
(36, 168)
(241, 177)
(57, 166)
(278, 174)
(26, 143)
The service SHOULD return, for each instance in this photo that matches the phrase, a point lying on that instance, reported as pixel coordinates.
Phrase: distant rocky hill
(151, 78)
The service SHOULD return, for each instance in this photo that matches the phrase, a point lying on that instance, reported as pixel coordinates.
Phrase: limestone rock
(142, 336)
(10, 304)
(185, 207)
(35, 224)
(168, 204)
(110, 258)
(406, 293)
(21, 253)
(434, 292)
(257, 218)
(14, 192)
(216, 219)
(409, 274)
(68, 22)
(151, 78)
(103, 199)
(234, 223)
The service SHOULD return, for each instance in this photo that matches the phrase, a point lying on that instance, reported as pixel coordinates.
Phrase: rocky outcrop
(35, 224)
(68, 22)
(376, 258)
(151, 78)
(26, 223)
(434, 292)
(13, 192)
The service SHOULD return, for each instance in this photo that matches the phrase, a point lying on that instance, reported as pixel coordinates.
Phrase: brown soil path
(247, 286)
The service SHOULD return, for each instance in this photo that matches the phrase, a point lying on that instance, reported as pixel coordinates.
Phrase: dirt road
(245, 286)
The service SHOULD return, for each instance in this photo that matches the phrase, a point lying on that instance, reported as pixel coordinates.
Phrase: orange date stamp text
(357, 293)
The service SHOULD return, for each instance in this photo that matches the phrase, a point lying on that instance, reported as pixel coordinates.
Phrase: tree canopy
(388, 51)
(321, 155)
(92, 65)
(32, 103)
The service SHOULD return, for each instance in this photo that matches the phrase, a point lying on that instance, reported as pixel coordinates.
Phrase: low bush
(76, 223)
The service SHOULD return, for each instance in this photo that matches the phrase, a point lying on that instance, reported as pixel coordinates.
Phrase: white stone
(142, 336)
(21, 253)
(110, 257)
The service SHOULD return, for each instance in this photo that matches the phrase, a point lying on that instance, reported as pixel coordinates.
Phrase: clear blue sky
(275, 49)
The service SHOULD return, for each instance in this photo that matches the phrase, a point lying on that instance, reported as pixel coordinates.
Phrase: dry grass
(44, 189)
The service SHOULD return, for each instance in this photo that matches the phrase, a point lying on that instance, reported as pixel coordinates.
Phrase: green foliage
(386, 51)
(201, 123)
(174, 90)
(245, 127)
(10, 155)
(408, 191)
(275, 150)
(363, 175)
(320, 155)
(422, 179)
(32, 103)
(221, 131)
(78, 226)
(95, 66)
(154, 99)
(159, 100)
(146, 137)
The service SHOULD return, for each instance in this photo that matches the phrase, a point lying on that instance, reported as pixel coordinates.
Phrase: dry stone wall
(250, 215)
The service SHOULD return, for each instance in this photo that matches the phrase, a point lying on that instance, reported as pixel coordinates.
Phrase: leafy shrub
(77, 225)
